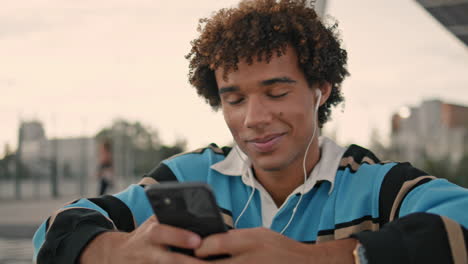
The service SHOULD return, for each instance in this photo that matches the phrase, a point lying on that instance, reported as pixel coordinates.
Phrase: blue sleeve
(62, 238)
(439, 197)
(424, 220)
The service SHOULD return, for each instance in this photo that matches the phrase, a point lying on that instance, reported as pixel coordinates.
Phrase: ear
(325, 88)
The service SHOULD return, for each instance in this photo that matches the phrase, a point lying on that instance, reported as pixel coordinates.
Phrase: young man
(290, 196)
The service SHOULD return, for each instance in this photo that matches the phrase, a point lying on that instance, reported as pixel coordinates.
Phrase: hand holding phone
(189, 206)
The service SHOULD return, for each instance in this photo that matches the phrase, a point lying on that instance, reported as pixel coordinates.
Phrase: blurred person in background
(105, 172)
(289, 195)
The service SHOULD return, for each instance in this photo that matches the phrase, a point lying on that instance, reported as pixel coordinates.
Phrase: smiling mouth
(266, 144)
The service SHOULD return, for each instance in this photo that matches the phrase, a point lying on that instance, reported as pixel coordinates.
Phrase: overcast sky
(78, 64)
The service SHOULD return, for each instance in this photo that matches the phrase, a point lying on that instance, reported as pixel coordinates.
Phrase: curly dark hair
(261, 28)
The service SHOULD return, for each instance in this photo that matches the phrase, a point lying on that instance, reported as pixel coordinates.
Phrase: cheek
(298, 117)
(233, 122)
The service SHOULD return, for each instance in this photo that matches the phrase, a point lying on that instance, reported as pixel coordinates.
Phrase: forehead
(282, 66)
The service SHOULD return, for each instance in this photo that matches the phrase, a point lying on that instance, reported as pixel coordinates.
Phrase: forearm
(101, 247)
(64, 236)
(333, 252)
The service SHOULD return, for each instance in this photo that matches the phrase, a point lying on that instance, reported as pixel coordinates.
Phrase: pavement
(18, 222)
(19, 219)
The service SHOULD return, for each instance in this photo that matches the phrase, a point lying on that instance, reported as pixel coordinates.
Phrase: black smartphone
(190, 206)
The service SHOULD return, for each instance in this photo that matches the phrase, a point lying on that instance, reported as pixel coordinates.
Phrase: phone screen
(190, 206)
(186, 205)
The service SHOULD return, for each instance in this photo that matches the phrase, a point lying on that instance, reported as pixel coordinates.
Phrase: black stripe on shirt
(223, 151)
(225, 211)
(357, 221)
(215, 148)
(391, 185)
(71, 232)
(358, 153)
(162, 173)
(48, 223)
(414, 238)
(118, 212)
(226, 150)
(354, 222)
(421, 182)
(326, 232)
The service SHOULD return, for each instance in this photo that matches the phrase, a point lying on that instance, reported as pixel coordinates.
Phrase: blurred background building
(53, 167)
(434, 137)
(52, 160)
(434, 130)
(74, 156)
(32, 146)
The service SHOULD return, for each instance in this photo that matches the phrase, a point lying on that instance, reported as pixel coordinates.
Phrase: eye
(234, 102)
(278, 95)
(233, 99)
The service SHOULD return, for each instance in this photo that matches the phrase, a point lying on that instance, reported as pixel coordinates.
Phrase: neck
(281, 183)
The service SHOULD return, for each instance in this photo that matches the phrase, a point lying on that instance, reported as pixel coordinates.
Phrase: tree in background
(377, 147)
(441, 168)
(7, 163)
(460, 176)
(444, 168)
(136, 147)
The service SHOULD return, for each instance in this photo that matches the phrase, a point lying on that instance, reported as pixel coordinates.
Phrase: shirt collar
(237, 163)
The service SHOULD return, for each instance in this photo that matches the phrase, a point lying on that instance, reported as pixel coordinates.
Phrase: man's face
(269, 109)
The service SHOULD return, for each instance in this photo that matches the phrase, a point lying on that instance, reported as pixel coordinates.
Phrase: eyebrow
(228, 89)
(233, 88)
(277, 80)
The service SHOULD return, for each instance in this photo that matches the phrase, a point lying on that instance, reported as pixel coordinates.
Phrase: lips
(266, 143)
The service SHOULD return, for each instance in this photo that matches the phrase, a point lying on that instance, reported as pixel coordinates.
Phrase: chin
(269, 164)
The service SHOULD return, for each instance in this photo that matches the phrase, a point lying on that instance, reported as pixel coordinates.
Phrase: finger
(152, 220)
(173, 257)
(231, 243)
(234, 260)
(172, 236)
(147, 226)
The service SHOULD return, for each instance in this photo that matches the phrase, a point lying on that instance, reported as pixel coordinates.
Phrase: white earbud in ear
(319, 96)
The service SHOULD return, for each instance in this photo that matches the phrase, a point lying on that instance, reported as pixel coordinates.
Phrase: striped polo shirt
(395, 210)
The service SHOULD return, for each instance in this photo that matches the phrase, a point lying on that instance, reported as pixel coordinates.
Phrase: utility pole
(18, 169)
(83, 150)
(54, 170)
(84, 170)
(54, 163)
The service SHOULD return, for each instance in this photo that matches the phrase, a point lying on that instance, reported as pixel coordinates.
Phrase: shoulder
(210, 150)
(361, 172)
(390, 181)
(384, 183)
(361, 161)
(189, 165)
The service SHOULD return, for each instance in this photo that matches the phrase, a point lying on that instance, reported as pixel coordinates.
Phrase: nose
(258, 115)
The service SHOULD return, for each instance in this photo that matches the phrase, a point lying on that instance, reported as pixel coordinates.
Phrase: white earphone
(319, 96)
(318, 93)
(317, 105)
